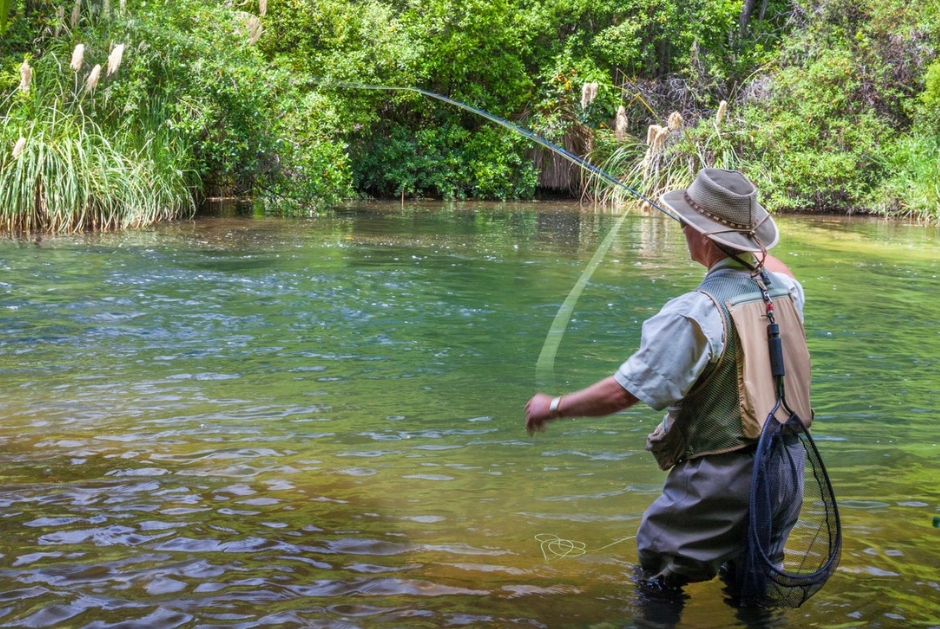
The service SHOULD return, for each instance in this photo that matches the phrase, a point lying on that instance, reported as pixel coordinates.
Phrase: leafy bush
(80, 159)
(831, 101)
(193, 109)
(446, 161)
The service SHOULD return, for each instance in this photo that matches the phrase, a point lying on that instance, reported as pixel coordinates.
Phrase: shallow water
(240, 422)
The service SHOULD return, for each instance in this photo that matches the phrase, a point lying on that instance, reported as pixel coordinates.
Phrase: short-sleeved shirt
(679, 342)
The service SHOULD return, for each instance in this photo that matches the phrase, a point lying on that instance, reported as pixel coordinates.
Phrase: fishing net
(794, 534)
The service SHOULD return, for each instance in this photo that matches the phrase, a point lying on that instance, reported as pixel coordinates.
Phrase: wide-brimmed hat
(722, 204)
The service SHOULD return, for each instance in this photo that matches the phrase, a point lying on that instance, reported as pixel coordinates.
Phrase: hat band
(718, 219)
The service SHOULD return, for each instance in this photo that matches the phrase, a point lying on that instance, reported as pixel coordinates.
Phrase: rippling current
(240, 422)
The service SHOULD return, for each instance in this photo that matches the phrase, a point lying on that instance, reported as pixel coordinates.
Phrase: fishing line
(509, 125)
(554, 547)
(545, 366)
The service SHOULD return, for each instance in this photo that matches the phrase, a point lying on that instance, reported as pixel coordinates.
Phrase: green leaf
(4, 13)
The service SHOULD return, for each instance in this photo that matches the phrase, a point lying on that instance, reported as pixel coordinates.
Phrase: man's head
(722, 205)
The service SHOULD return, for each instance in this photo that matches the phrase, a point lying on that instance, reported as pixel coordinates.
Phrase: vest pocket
(667, 446)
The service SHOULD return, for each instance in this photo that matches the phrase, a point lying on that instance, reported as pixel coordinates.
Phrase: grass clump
(119, 117)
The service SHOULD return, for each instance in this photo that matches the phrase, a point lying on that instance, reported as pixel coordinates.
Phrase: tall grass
(72, 176)
(71, 160)
(669, 157)
(912, 189)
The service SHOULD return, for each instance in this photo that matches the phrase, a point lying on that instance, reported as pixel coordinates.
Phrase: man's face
(696, 243)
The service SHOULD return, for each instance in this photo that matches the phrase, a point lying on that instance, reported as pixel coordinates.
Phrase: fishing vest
(730, 401)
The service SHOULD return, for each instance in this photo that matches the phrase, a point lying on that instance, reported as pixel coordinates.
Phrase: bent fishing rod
(571, 157)
(544, 367)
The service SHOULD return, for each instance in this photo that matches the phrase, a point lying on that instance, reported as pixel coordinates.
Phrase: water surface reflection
(239, 421)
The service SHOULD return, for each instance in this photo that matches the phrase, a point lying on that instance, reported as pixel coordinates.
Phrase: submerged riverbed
(235, 421)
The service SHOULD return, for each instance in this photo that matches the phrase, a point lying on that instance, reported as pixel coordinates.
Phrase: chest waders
(794, 536)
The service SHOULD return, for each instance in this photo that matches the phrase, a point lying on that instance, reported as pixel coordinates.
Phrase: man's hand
(601, 398)
(537, 413)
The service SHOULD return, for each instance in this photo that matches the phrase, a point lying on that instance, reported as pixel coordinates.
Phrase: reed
(59, 20)
(93, 77)
(114, 59)
(79, 164)
(26, 77)
(78, 57)
(720, 114)
(675, 121)
(254, 30)
(19, 147)
(588, 94)
(620, 124)
(668, 159)
(69, 176)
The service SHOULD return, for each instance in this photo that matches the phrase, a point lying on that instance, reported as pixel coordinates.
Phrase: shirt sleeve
(795, 288)
(675, 347)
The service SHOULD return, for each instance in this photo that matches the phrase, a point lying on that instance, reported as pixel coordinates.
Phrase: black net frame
(794, 533)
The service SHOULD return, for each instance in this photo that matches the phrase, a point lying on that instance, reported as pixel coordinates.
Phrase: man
(690, 362)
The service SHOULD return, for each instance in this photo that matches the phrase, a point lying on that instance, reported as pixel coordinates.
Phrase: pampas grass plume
(655, 136)
(262, 7)
(722, 108)
(78, 57)
(19, 147)
(26, 76)
(93, 77)
(675, 120)
(114, 59)
(254, 29)
(620, 124)
(588, 94)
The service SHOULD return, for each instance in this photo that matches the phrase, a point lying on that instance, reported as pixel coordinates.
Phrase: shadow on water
(228, 208)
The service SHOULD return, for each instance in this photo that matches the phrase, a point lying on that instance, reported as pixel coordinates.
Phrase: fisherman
(689, 363)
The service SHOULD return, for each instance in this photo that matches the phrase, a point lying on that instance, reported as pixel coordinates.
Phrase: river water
(238, 422)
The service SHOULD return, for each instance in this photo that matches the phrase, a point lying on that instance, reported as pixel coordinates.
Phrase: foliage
(4, 14)
(930, 98)
(816, 144)
(183, 116)
(446, 161)
(912, 187)
(824, 121)
(833, 103)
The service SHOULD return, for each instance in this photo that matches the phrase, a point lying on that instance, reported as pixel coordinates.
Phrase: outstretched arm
(601, 398)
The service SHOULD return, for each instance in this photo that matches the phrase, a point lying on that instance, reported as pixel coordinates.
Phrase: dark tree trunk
(746, 12)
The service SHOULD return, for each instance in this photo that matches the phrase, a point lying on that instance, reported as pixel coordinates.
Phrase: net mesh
(794, 534)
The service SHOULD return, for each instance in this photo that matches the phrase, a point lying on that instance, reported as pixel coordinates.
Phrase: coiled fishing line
(554, 547)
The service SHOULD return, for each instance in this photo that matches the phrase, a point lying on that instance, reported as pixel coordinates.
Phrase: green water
(243, 422)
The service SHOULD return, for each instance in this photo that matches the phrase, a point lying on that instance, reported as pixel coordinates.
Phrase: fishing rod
(571, 157)
(544, 367)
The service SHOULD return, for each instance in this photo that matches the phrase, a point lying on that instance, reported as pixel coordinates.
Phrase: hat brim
(766, 233)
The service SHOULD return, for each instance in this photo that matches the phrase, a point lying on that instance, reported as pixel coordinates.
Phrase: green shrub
(445, 160)
(193, 109)
(912, 185)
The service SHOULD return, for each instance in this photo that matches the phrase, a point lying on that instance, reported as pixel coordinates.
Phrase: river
(239, 421)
